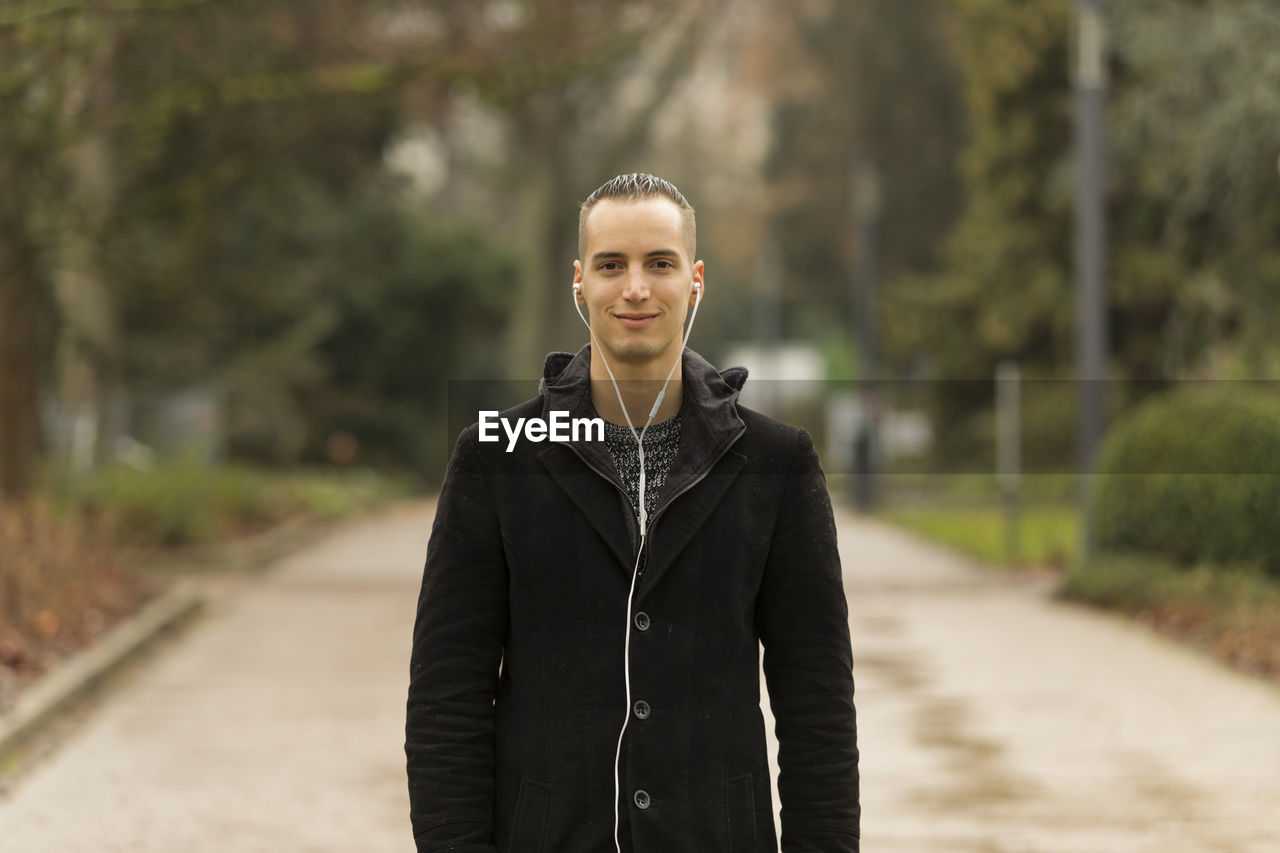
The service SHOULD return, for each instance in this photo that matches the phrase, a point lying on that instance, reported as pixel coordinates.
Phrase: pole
(866, 216)
(1090, 253)
(768, 318)
(1009, 454)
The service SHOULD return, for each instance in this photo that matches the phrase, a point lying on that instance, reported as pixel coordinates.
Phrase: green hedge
(1194, 475)
(183, 503)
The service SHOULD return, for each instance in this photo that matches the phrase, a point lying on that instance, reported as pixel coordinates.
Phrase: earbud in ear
(577, 288)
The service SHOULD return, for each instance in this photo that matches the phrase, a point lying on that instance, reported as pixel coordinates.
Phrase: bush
(179, 504)
(430, 306)
(183, 503)
(1194, 475)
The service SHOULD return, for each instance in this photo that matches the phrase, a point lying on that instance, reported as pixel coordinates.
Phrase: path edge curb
(68, 682)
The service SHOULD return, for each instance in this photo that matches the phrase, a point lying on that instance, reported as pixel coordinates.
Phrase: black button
(642, 621)
(642, 709)
(642, 799)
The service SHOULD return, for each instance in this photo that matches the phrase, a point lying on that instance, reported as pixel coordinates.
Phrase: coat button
(642, 799)
(642, 621)
(642, 709)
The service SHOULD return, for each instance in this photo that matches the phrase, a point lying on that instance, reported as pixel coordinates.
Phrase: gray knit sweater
(661, 441)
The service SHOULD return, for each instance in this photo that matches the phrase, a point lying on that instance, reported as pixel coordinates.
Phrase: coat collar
(710, 425)
(709, 411)
(564, 369)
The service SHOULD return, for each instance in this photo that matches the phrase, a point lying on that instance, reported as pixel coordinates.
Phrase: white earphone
(644, 520)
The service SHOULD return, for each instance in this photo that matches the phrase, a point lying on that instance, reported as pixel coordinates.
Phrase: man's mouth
(635, 320)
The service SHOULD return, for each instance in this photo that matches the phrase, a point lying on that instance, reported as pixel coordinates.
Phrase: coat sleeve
(802, 617)
(458, 637)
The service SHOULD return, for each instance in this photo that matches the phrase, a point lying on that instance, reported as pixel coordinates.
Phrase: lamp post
(866, 218)
(1090, 252)
(767, 320)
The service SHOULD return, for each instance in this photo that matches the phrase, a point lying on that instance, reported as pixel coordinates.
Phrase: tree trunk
(550, 219)
(88, 345)
(20, 356)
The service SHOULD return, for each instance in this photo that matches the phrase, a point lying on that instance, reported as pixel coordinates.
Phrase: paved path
(276, 724)
(992, 720)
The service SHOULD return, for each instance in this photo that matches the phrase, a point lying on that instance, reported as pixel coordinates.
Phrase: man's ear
(578, 296)
(694, 294)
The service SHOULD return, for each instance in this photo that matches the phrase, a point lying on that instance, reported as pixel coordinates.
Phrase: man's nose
(636, 288)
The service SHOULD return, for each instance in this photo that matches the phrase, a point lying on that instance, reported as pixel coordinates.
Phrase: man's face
(637, 280)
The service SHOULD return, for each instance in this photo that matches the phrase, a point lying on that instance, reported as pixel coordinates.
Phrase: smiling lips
(635, 320)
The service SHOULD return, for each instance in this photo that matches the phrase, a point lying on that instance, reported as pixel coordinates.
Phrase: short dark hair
(635, 186)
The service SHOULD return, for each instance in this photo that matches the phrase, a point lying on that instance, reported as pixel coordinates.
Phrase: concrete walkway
(991, 719)
(994, 720)
(274, 724)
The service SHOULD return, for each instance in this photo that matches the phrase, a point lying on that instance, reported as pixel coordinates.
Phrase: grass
(1046, 534)
(952, 489)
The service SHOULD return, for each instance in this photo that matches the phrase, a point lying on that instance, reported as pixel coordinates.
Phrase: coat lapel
(596, 498)
(704, 467)
(584, 469)
(686, 515)
(703, 470)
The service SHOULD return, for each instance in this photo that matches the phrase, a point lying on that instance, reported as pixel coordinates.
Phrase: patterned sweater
(661, 441)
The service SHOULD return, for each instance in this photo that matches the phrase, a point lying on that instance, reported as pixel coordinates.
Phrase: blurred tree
(1006, 289)
(876, 83)
(1197, 265)
(508, 55)
(181, 169)
(580, 127)
(54, 184)
(85, 121)
(253, 129)
(387, 383)
(566, 120)
(1193, 212)
(22, 333)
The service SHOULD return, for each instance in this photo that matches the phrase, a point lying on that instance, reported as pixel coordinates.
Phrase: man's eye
(664, 264)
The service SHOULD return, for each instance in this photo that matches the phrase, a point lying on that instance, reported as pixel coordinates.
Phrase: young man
(585, 668)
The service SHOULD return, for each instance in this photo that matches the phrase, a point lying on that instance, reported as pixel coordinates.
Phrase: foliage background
(316, 214)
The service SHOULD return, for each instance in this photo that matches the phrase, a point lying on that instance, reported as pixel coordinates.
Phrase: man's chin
(635, 355)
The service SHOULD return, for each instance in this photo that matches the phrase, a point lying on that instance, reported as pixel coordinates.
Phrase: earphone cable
(643, 520)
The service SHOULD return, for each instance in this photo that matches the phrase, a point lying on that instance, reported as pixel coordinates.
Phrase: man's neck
(639, 386)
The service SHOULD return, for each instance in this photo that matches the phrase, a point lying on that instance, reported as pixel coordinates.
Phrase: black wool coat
(517, 689)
